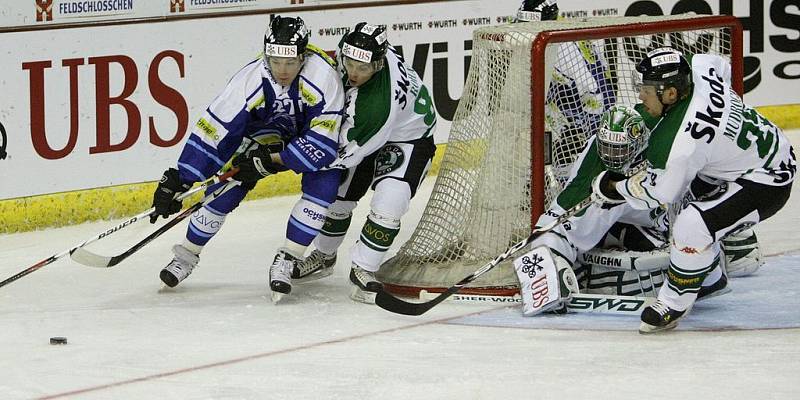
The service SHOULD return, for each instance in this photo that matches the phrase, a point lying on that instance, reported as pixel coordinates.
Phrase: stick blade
(390, 303)
(89, 259)
(393, 304)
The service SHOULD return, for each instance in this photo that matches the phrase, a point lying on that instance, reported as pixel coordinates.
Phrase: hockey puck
(58, 340)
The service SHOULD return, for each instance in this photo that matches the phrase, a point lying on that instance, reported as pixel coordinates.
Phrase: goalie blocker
(546, 281)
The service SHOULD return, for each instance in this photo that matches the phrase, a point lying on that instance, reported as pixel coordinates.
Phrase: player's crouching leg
(693, 255)
(547, 282)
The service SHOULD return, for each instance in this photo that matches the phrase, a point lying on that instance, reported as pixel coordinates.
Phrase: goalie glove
(546, 281)
(604, 192)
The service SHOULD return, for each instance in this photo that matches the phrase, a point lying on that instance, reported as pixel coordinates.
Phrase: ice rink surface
(218, 336)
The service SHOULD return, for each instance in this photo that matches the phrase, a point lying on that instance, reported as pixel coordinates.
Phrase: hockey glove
(169, 187)
(254, 164)
(604, 193)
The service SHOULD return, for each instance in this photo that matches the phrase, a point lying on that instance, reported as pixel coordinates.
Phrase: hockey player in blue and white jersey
(280, 112)
(579, 92)
(389, 132)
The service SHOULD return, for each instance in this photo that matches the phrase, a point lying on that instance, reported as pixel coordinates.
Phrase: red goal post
(533, 95)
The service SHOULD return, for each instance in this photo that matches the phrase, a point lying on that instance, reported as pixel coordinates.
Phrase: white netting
(482, 199)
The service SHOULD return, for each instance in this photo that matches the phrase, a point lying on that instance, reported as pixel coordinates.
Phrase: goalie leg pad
(622, 272)
(742, 253)
(547, 281)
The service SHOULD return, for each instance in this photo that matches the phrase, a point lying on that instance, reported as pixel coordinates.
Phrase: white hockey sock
(196, 249)
(377, 236)
(337, 222)
(295, 249)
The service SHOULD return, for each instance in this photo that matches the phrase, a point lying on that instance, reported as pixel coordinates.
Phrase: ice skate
(280, 275)
(659, 317)
(365, 285)
(316, 266)
(180, 267)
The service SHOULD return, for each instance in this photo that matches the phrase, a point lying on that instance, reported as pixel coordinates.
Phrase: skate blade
(277, 297)
(166, 289)
(646, 329)
(316, 275)
(361, 296)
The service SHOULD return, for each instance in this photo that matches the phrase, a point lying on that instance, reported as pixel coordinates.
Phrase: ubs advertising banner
(38, 12)
(109, 105)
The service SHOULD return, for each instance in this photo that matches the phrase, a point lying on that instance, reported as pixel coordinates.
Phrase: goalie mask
(537, 10)
(286, 37)
(622, 139)
(666, 67)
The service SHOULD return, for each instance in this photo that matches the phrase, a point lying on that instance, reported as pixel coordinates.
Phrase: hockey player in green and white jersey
(389, 134)
(726, 165)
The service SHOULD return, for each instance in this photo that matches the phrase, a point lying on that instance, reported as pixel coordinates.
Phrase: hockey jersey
(580, 89)
(393, 106)
(585, 229)
(314, 101)
(711, 134)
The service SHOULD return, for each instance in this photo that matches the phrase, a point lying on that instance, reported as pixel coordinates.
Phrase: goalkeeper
(616, 250)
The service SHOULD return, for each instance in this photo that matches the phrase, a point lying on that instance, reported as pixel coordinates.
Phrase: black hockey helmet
(286, 37)
(537, 10)
(666, 67)
(366, 43)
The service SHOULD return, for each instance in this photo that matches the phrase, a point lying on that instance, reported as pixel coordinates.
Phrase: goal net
(534, 93)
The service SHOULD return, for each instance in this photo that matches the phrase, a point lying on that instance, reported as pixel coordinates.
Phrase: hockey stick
(91, 259)
(122, 225)
(390, 303)
(579, 303)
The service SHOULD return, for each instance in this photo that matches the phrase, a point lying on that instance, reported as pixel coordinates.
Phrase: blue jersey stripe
(301, 157)
(312, 137)
(205, 152)
(194, 171)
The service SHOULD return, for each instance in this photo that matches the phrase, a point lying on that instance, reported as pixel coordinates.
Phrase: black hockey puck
(58, 340)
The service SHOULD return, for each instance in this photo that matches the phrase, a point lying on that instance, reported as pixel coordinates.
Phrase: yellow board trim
(70, 208)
